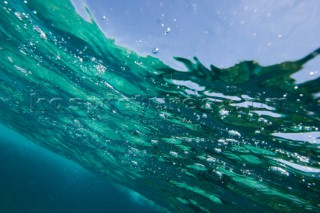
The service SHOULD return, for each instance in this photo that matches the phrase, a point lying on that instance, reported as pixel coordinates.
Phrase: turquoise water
(243, 138)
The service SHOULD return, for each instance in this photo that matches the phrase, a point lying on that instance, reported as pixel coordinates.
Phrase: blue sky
(222, 33)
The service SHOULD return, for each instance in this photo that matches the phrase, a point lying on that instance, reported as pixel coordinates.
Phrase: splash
(201, 140)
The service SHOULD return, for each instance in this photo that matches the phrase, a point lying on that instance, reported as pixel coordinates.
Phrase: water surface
(243, 138)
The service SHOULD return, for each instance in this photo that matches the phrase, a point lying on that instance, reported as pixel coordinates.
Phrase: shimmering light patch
(197, 166)
(189, 84)
(220, 95)
(247, 104)
(299, 167)
(310, 137)
(197, 191)
(279, 170)
(268, 113)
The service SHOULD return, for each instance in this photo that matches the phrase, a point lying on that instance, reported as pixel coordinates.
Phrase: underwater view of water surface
(211, 115)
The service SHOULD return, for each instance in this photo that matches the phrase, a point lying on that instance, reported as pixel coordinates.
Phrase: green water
(201, 140)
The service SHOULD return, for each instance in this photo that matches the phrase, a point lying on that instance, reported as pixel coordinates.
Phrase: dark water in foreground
(244, 138)
(34, 180)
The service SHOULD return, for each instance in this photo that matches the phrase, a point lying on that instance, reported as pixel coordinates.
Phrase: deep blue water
(35, 180)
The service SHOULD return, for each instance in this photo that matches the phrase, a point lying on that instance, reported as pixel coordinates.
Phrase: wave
(202, 140)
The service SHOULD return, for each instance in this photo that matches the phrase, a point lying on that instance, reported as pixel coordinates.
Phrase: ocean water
(35, 180)
(203, 139)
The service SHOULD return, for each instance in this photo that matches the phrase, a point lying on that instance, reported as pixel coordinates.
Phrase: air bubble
(134, 162)
(155, 50)
(42, 34)
(219, 174)
(234, 133)
(167, 31)
(174, 154)
(211, 159)
(18, 15)
(218, 150)
(104, 17)
(154, 141)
